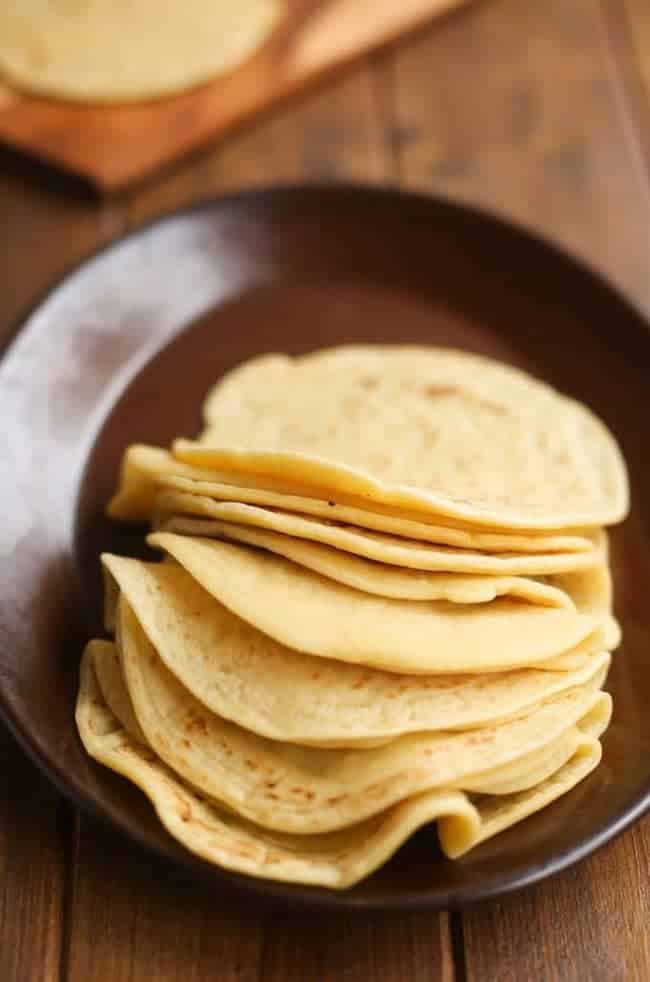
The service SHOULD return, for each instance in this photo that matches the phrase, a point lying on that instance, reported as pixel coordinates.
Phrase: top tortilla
(424, 429)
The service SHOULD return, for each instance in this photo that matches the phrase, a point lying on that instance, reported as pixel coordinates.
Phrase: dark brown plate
(124, 349)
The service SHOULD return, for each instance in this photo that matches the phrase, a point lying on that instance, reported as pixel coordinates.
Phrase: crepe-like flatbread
(307, 790)
(336, 860)
(147, 470)
(318, 616)
(522, 773)
(424, 429)
(247, 677)
(378, 546)
(589, 590)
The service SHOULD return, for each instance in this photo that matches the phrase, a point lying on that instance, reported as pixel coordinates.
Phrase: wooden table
(539, 110)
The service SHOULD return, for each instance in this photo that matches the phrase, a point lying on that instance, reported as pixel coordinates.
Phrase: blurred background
(537, 110)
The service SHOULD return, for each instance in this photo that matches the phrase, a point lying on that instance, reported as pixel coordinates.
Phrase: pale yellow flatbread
(108, 669)
(522, 773)
(147, 470)
(318, 616)
(336, 860)
(384, 600)
(305, 790)
(423, 429)
(378, 546)
(121, 50)
(246, 677)
(588, 589)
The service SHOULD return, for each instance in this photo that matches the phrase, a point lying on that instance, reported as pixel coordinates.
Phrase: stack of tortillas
(385, 601)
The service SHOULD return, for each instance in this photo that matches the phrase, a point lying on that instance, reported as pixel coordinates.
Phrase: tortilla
(591, 587)
(424, 429)
(108, 669)
(244, 676)
(522, 773)
(147, 470)
(112, 51)
(310, 790)
(315, 615)
(378, 546)
(336, 860)
(588, 590)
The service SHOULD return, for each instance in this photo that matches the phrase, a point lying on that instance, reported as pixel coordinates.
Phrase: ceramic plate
(124, 349)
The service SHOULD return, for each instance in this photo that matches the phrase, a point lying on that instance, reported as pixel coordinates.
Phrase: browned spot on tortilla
(439, 391)
(335, 800)
(479, 738)
(250, 764)
(245, 853)
(196, 723)
(184, 810)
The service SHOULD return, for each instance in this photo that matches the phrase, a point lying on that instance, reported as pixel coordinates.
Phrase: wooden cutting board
(112, 146)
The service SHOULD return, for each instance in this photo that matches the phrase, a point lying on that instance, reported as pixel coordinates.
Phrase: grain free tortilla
(147, 470)
(378, 546)
(384, 600)
(332, 621)
(588, 589)
(245, 676)
(308, 790)
(431, 430)
(336, 860)
(115, 51)
(522, 773)
(108, 669)
(318, 616)
(606, 635)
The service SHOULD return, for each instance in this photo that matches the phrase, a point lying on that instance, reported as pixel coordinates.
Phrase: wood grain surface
(537, 111)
